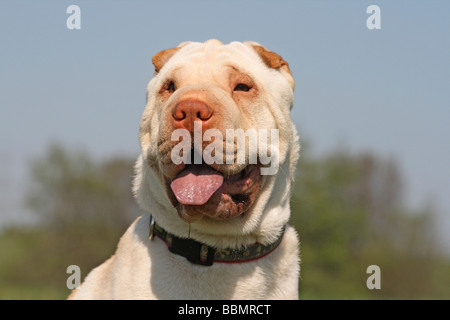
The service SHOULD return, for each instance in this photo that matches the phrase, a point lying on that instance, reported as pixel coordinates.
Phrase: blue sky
(386, 91)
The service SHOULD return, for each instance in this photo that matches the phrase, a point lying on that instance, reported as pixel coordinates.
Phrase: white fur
(145, 269)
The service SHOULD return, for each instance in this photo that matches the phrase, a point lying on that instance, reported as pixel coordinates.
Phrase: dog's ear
(271, 59)
(160, 59)
(274, 60)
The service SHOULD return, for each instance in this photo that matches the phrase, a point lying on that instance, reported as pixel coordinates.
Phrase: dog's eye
(242, 87)
(171, 87)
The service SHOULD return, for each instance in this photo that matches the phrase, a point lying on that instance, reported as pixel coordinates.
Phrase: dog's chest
(146, 269)
(173, 277)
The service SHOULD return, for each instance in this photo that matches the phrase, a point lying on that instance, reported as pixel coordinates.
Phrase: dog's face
(215, 115)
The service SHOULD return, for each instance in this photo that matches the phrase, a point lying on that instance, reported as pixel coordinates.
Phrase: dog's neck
(264, 224)
(202, 254)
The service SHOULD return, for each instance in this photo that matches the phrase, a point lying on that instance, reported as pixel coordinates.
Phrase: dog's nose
(187, 111)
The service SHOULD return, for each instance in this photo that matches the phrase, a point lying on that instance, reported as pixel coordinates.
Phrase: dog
(216, 228)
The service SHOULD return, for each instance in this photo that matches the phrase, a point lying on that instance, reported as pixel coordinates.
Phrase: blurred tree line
(348, 210)
(350, 213)
(84, 207)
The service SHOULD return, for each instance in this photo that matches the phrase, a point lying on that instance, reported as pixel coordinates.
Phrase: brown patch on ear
(271, 59)
(160, 59)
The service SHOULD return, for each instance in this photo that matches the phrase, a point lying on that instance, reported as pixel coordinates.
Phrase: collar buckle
(194, 251)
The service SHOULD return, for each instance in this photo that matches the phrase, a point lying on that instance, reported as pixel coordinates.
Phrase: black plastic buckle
(194, 251)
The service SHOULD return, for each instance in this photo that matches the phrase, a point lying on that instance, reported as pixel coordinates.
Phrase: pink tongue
(196, 184)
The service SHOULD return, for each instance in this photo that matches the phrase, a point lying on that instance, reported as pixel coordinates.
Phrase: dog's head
(218, 145)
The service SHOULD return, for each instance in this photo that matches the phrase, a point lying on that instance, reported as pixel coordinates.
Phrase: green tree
(71, 187)
(349, 212)
(84, 206)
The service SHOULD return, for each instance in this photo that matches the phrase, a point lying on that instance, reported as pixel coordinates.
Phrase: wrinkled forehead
(202, 61)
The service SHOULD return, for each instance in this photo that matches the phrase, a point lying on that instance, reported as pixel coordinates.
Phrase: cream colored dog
(217, 231)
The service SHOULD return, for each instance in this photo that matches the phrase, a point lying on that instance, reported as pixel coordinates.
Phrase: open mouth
(199, 190)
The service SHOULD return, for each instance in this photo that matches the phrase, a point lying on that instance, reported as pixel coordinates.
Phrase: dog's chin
(233, 198)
